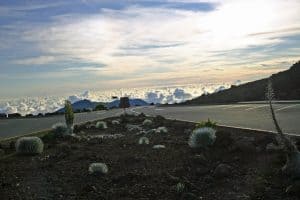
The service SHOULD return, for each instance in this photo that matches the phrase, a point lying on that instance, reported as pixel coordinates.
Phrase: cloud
(173, 94)
(144, 44)
(41, 60)
(97, 37)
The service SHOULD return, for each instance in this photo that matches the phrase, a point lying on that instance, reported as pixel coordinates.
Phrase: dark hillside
(286, 87)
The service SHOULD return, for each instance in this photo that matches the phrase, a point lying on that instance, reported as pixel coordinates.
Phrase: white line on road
(253, 108)
(159, 109)
(235, 106)
(286, 107)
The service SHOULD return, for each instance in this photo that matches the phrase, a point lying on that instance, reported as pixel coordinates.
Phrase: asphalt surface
(15, 127)
(256, 116)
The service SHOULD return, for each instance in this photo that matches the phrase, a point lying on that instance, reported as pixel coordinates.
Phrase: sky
(66, 47)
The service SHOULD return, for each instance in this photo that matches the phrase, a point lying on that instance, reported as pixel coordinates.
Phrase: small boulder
(200, 159)
(272, 148)
(245, 144)
(222, 171)
(2, 153)
(202, 171)
(189, 196)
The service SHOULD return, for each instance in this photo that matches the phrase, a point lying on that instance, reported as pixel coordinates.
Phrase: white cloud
(138, 38)
(173, 94)
(41, 60)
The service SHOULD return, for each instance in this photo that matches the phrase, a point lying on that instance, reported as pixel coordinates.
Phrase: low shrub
(144, 140)
(98, 168)
(147, 122)
(207, 123)
(101, 125)
(29, 146)
(202, 137)
(180, 187)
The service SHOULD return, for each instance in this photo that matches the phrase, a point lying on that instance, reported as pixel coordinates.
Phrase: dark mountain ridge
(286, 85)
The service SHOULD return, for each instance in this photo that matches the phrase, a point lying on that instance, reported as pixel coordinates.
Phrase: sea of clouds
(172, 94)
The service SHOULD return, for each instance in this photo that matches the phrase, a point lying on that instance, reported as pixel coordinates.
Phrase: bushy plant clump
(180, 187)
(207, 123)
(202, 137)
(144, 140)
(161, 129)
(29, 146)
(69, 116)
(147, 122)
(101, 125)
(98, 168)
(60, 130)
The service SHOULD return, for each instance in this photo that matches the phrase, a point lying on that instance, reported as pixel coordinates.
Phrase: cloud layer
(173, 94)
(100, 45)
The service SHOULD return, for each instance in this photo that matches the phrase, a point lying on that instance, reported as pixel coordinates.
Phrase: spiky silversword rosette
(98, 168)
(144, 140)
(202, 137)
(101, 125)
(147, 122)
(161, 129)
(29, 146)
(60, 130)
(115, 122)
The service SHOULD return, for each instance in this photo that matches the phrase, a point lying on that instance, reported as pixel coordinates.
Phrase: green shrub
(29, 146)
(144, 140)
(101, 125)
(69, 116)
(180, 187)
(98, 168)
(207, 123)
(202, 137)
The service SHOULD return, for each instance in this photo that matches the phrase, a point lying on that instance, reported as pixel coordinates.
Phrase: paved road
(14, 127)
(255, 116)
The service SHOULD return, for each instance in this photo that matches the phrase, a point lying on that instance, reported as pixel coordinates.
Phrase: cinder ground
(141, 172)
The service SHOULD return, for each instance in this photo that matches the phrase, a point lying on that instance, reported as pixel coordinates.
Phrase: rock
(272, 148)
(66, 148)
(189, 196)
(133, 128)
(245, 144)
(12, 145)
(243, 197)
(222, 171)
(223, 139)
(202, 171)
(200, 159)
(2, 153)
(187, 131)
(208, 179)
